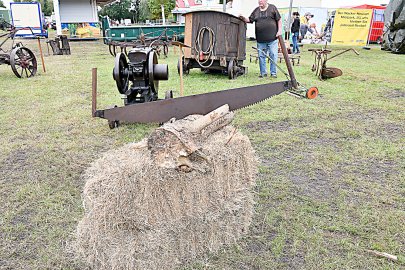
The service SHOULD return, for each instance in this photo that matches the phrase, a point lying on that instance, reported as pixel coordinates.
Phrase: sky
(325, 3)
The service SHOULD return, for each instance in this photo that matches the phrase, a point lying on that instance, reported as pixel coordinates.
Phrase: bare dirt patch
(393, 93)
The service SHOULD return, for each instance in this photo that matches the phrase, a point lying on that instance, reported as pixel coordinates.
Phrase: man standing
(295, 30)
(267, 28)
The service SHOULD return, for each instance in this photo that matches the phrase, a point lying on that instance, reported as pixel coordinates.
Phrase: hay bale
(167, 200)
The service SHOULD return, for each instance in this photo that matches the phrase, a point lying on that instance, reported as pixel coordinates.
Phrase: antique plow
(138, 81)
(321, 57)
(21, 59)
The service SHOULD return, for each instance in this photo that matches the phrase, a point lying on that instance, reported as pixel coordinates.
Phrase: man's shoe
(262, 76)
(273, 75)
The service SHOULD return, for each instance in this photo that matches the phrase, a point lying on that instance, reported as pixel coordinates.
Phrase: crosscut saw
(161, 111)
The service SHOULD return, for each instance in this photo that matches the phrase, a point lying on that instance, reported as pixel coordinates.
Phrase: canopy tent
(377, 21)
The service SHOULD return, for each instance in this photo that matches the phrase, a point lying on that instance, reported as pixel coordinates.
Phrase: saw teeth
(247, 106)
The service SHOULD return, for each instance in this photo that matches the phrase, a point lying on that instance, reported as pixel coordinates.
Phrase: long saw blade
(163, 110)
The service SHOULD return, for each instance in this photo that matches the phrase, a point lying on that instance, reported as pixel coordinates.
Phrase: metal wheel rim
(23, 62)
(119, 75)
(231, 69)
(152, 60)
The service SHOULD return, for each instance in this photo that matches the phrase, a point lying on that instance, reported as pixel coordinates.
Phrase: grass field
(332, 174)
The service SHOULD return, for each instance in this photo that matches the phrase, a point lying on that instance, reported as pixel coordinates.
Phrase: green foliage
(118, 11)
(144, 12)
(137, 10)
(156, 9)
(47, 7)
(2, 4)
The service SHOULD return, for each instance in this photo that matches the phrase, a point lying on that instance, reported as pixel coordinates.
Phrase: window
(378, 15)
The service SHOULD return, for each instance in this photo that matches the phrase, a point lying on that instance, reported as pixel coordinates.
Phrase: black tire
(113, 124)
(169, 94)
(232, 69)
(186, 70)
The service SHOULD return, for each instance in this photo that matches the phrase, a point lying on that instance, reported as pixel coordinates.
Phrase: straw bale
(144, 213)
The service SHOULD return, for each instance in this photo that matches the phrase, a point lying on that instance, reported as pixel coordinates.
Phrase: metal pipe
(289, 21)
(287, 62)
(94, 92)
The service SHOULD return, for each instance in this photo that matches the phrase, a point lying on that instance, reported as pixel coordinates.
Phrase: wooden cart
(217, 42)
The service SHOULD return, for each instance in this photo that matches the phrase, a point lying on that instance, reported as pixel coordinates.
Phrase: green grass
(332, 174)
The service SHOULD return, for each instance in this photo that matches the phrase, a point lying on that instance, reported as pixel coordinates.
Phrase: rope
(209, 51)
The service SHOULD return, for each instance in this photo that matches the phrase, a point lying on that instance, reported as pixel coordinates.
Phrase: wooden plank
(188, 35)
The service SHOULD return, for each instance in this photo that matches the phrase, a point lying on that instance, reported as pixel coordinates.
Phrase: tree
(47, 7)
(144, 12)
(117, 11)
(156, 9)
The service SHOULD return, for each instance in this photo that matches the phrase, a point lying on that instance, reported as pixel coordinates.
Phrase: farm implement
(160, 44)
(321, 57)
(141, 97)
(21, 59)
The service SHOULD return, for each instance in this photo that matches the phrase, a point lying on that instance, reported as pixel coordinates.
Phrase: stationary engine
(142, 71)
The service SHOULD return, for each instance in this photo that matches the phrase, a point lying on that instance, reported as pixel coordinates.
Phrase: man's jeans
(296, 49)
(271, 49)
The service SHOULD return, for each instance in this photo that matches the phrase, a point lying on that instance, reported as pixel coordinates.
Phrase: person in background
(295, 30)
(267, 21)
(304, 27)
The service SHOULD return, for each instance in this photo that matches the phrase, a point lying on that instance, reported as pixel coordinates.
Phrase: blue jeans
(271, 49)
(296, 49)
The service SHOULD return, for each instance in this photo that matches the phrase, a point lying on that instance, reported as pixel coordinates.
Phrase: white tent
(245, 8)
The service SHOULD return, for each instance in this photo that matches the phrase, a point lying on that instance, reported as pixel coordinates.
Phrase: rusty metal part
(60, 46)
(331, 72)
(164, 110)
(297, 89)
(93, 91)
(23, 62)
(287, 61)
(321, 57)
(159, 44)
(21, 59)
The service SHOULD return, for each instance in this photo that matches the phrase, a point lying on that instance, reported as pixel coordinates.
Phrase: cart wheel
(232, 67)
(23, 62)
(165, 49)
(120, 73)
(313, 68)
(113, 124)
(186, 70)
(111, 48)
(169, 94)
(312, 93)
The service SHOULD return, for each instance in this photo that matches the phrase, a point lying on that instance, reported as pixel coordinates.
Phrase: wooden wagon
(217, 42)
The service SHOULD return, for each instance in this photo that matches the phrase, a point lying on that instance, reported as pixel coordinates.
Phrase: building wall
(78, 11)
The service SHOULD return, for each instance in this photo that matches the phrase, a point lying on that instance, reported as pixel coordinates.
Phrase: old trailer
(217, 42)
